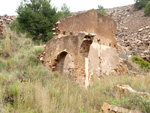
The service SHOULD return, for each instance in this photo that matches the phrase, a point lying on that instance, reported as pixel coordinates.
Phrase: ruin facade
(84, 45)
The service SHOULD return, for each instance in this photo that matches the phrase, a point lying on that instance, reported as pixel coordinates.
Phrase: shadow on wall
(85, 46)
(65, 64)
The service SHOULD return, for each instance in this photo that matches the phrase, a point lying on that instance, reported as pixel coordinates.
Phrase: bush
(147, 9)
(139, 4)
(15, 26)
(2, 63)
(1, 51)
(101, 10)
(37, 17)
(132, 101)
(143, 64)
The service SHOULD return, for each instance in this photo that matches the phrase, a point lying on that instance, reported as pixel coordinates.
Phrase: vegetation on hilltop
(64, 13)
(147, 9)
(37, 17)
(139, 4)
(101, 10)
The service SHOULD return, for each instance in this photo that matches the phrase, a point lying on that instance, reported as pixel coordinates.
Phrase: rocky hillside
(5, 20)
(133, 30)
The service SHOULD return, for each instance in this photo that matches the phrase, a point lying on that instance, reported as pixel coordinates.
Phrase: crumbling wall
(84, 45)
(90, 22)
(67, 55)
(5, 20)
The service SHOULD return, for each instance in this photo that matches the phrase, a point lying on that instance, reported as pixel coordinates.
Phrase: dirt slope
(133, 30)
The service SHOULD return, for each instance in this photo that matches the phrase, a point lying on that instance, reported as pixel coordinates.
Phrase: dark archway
(85, 47)
(60, 61)
(65, 64)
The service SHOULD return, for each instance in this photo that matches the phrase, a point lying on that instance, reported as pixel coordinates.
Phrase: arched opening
(109, 44)
(60, 61)
(85, 47)
(65, 64)
(84, 51)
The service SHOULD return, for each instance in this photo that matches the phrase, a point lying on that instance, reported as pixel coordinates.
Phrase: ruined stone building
(84, 45)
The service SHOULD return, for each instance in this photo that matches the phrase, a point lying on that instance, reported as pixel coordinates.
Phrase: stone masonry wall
(84, 45)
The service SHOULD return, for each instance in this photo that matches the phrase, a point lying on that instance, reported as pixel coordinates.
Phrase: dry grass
(27, 87)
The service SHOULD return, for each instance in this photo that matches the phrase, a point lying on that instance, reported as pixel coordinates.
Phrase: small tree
(65, 12)
(101, 10)
(100, 7)
(37, 17)
(147, 9)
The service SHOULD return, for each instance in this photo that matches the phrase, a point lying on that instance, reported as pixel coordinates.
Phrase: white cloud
(78, 5)
(9, 6)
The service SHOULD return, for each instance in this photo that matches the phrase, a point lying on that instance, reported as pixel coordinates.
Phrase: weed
(112, 101)
(143, 64)
(26, 86)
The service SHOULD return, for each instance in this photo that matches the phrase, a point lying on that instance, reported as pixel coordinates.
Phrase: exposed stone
(147, 27)
(106, 108)
(5, 20)
(141, 29)
(137, 36)
(122, 53)
(126, 89)
(126, 28)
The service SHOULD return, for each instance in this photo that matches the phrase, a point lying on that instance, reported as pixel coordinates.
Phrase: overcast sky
(9, 6)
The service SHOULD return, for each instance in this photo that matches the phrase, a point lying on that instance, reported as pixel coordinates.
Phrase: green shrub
(147, 9)
(113, 101)
(13, 88)
(145, 104)
(139, 4)
(14, 25)
(81, 110)
(101, 10)
(132, 101)
(143, 64)
(36, 50)
(36, 18)
(2, 63)
(1, 51)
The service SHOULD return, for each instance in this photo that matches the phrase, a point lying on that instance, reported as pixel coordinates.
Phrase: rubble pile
(106, 108)
(133, 30)
(122, 90)
(5, 20)
(126, 89)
